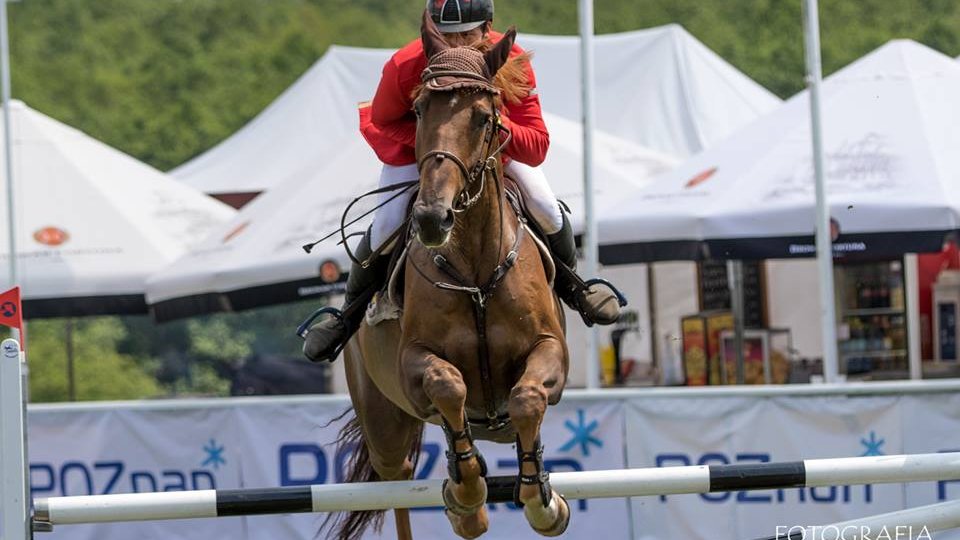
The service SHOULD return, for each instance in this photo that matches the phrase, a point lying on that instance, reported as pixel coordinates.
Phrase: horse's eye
(482, 118)
(418, 109)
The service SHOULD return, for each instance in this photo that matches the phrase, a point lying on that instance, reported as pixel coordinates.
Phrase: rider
(389, 126)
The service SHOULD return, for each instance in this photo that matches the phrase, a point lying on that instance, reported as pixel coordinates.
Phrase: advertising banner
(710, 431)
(284, 443)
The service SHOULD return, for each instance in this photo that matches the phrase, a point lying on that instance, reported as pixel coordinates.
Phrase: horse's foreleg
(433, 383)
(543, 378)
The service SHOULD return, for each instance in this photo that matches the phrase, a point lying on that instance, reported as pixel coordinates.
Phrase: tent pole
(590, 240)
(655, 357)
(828, 315)
(912, 291)
(7, 138)
(71, 374)
(735, 281)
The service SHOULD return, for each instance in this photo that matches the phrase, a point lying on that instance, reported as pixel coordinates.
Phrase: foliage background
(164, 80)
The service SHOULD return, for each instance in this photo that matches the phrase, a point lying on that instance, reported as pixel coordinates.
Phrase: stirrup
(304, 328)
(621, 299)
(580, 289)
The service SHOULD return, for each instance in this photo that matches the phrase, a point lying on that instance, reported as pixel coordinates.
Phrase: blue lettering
(432, 451)
(75, 465)
(51, 478)
(831, 495)
(182, 481)
(134, 476)
(117, 467)
(320, 460)
(195, 476)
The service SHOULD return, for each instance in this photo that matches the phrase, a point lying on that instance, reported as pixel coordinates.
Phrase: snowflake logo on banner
(214, 455)
(582, 434)
(872, 445)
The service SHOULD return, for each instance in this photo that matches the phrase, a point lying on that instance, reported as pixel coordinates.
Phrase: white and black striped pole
(425, 493)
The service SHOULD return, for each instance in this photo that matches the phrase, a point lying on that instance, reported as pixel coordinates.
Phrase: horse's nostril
(447, 222)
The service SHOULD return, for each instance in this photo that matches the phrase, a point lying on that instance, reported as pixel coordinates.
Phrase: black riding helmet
(454, 16)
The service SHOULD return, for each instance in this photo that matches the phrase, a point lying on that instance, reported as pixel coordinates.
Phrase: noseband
(483, 165)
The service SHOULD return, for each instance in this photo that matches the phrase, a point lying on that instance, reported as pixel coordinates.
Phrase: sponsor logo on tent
(700, 178)
(51, 236)
(839, 248)
(329, 271)
(235, 231)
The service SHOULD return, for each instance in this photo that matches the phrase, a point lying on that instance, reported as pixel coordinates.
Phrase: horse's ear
(497, 56)
(433, 40)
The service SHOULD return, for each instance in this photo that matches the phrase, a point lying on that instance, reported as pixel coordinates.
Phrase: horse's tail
(351, 526)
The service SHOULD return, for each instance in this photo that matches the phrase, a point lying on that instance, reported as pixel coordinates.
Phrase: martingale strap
(480, 296)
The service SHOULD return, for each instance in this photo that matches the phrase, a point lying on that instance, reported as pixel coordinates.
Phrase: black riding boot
(597, 302)
(326, 338)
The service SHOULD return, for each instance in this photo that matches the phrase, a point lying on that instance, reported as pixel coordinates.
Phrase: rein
(479, 294)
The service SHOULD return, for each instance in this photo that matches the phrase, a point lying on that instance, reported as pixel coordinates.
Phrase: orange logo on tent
(701, 178)
(329, 272)
(51, 236)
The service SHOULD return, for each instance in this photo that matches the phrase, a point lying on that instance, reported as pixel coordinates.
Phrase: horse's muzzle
(432, 223)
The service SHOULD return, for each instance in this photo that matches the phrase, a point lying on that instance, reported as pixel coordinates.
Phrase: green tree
(101, 372)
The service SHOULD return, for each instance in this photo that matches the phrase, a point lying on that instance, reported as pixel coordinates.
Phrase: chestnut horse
(479, 348)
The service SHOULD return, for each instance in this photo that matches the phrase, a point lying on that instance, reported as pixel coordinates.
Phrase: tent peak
(898, 59)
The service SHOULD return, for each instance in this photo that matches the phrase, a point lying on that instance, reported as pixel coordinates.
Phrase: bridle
(484, 165)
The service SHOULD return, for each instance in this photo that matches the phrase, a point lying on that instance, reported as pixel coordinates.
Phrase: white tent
(92, 223)
(659, 88)
(300, 131)
(893, 173)
(256, 259)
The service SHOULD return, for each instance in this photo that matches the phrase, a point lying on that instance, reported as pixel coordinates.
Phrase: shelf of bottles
(873, 319)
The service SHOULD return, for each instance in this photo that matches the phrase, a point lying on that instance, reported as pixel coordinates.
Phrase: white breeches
(540, 200)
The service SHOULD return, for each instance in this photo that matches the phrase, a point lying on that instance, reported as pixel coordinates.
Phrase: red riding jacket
(390, 127)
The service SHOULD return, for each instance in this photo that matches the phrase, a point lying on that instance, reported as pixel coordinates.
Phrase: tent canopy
(658, 88)
(892, 174)
(92, 223)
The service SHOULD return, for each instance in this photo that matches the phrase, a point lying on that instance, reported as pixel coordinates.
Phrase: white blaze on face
(454, 99)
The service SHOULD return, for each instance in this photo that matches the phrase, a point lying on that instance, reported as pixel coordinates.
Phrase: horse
(479, 347)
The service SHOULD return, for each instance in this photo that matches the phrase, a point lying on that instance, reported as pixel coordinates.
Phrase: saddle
(387, 303)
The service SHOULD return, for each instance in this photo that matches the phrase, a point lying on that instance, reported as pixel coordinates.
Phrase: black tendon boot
(597, 301)
(324, 340)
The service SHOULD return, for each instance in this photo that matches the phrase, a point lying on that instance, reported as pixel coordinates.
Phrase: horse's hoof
(469, 526)
(550, 521)
(453, 504)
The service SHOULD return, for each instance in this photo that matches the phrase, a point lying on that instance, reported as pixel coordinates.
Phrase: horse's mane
(511, 79)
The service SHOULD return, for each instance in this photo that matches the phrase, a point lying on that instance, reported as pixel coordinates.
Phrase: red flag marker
(11, 312)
